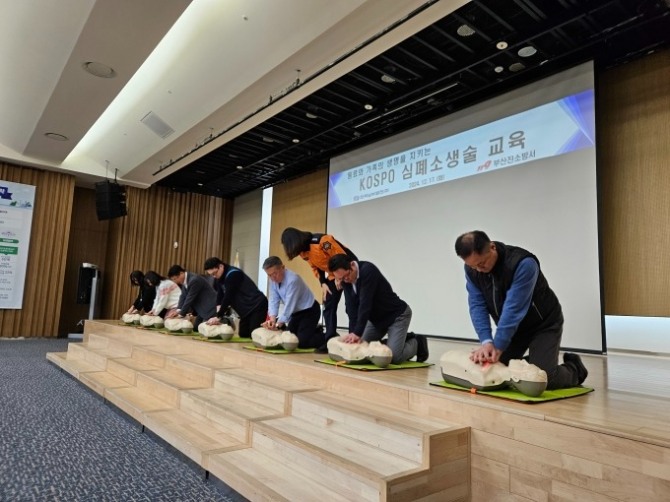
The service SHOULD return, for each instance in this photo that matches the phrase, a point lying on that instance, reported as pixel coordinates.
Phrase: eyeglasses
(482, 260)
(343, 275)
(212, 271)
(482, 263)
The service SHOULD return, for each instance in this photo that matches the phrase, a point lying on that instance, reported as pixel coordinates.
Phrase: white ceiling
(201, 66)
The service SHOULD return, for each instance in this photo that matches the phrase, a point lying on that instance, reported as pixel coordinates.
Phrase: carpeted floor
(61, 442)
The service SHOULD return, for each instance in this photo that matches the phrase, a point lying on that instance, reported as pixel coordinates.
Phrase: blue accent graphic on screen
(549, 130)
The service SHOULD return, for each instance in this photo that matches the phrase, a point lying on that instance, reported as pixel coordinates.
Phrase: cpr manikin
(457, 368)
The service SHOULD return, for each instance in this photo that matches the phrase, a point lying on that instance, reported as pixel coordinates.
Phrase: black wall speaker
(110, 200)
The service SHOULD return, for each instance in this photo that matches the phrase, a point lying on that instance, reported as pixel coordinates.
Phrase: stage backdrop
(521, 167)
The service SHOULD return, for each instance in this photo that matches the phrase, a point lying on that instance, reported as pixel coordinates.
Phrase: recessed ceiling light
(465, 31)
(498, 69)
(526, 52)
(502, 45)
(295, 140)
(98, 69)
(310, 115)
(516, 67)
(56, 136)
(388, 79)
(199, 184)
(268, 140)
(368, 106)
(239, 168)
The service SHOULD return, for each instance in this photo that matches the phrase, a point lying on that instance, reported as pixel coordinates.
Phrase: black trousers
(253, 319)
(305, 325)
(543, 346)
(330, 309)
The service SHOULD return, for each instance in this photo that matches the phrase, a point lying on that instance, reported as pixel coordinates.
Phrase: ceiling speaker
(110, 200)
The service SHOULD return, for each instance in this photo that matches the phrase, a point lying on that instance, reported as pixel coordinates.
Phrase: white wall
(246, 236)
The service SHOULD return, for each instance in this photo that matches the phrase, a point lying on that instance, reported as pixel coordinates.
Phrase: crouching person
(375, 310)
(301, 312)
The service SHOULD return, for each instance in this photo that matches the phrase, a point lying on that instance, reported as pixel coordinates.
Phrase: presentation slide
(520, 167)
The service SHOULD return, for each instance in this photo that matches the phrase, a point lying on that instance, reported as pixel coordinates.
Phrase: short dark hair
(295, 241)
(136, 278)
(213, 262)
(153, 278)
(175, 270)
(339, 261)
(471, 242)
(272, 261)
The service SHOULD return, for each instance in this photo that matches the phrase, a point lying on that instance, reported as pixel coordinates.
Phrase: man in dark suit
(375, 310)
(197, 294)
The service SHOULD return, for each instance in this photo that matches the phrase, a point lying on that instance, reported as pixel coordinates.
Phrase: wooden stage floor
(631, 398)
(611, 444)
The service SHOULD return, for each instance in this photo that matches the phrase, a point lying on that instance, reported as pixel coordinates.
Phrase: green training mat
(371, 367)
(515, 395)
(235, 339)
(278, 351)
(175, 333)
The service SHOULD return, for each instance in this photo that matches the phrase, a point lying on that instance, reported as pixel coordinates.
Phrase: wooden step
(229, 410)
(95, 341)
(441, 448)
(156, 354)
(96, 355)
(72, 366)
(166, 385)
(195, 436)
(260, 478)
(193, 367)
(267, 389)
(126, 368)
(397, 431)
(101, 381)
(336, 461)
(136, 403)
(211, 359)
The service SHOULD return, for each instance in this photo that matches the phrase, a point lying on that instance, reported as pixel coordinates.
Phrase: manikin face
(216, 272)
(276, 273)
(485, 261)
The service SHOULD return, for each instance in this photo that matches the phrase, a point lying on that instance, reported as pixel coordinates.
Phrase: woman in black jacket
(145, 297)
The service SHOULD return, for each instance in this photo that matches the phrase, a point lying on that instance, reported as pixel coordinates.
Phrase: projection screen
(521, 167)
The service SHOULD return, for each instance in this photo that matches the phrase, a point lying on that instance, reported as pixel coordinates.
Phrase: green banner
(9, 250)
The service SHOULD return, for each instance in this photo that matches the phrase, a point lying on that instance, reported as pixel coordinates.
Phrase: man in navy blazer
(197, 294)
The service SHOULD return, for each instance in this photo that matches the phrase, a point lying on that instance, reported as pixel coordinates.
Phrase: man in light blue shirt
(301, 312)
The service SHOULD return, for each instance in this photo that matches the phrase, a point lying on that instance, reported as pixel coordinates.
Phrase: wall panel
(87, 244)
(300, 203)
(45, 272)
(634, 148)
(145, 239)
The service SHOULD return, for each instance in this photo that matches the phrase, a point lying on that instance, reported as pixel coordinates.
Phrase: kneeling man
(301, 310)
(374, 310)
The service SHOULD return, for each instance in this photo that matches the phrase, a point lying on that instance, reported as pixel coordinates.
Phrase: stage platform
(283, 427)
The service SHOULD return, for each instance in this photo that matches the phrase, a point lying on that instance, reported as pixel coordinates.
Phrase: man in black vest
(505, 282)
(236, 289)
